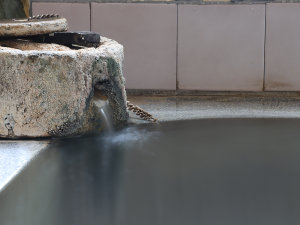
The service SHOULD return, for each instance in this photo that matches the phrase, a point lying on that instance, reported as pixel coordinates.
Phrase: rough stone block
(51, 92)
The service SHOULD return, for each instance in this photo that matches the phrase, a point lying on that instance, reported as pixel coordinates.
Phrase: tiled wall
(229, 47)
(283, 47)
(221, 47)
(148, 33)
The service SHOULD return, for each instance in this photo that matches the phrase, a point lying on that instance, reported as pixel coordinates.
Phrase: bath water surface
(204, 172)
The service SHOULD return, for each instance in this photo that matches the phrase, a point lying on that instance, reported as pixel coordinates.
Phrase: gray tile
(77, 14)
(221, 47)
(282, 47)
(148, 33)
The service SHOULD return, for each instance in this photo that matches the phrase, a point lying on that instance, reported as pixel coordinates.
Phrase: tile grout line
(90, 4)
(176, 48)
(264, 78)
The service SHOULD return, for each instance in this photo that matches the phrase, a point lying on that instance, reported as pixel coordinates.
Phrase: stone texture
(14, 9)
(221, 47)
(50, 93)
(24, 27)
(282, 47)
(148, 33)
(77, 14)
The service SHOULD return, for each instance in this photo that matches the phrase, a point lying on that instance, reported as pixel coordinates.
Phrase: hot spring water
(220, 171)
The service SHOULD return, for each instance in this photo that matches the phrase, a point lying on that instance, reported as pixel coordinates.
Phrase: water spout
(106, 118)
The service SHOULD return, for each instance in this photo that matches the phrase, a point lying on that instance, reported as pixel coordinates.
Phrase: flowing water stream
(106, 118)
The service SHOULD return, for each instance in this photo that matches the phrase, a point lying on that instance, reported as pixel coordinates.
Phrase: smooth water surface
(206, 172)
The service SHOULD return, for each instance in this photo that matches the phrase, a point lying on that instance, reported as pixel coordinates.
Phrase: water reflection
(212, 172)
(91, 173)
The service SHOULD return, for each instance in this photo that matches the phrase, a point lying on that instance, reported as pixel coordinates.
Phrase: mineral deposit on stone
(51, 92)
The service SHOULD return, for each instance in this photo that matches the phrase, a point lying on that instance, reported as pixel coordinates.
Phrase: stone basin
(51, 90)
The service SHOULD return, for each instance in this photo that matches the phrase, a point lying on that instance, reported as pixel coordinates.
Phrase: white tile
(148, 33)
(221, 47)
(283, 47)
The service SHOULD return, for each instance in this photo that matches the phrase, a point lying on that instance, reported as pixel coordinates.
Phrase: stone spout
(48, 90)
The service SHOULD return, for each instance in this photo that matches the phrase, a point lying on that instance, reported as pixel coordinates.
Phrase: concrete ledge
(211, 106)
(15, 156)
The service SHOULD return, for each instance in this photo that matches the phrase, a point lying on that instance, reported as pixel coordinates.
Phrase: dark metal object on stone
(87, 39)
